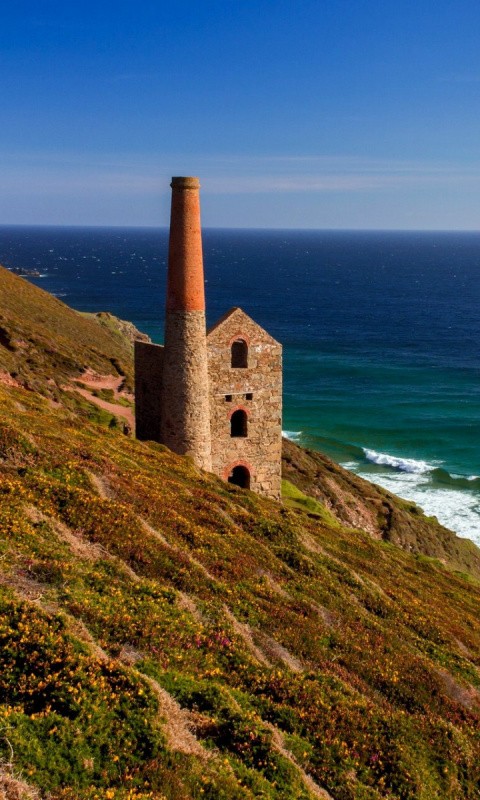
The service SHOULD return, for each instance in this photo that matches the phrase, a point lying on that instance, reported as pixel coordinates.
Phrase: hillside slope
(44, 343)
(166, 635)
(357, 503)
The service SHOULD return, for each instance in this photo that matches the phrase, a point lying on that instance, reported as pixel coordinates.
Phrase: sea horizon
(79, 226)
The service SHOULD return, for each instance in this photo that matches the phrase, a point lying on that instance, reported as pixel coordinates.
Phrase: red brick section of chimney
(185, 287)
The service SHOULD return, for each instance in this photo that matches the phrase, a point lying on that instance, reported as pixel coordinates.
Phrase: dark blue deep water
(381, 335)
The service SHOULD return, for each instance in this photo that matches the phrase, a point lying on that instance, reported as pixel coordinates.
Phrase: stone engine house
(214, 395)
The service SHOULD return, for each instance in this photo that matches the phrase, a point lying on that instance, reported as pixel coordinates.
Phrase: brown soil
(96, 381)
(7, 379)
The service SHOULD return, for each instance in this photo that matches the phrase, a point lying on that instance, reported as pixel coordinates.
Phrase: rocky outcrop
(127, 330)
(357, 503)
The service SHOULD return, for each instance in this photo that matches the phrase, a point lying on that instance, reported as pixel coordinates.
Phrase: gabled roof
(235, 320)
(223, 318)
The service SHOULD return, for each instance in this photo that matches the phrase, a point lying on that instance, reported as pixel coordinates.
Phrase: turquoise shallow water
(381, 335)
(397, 429)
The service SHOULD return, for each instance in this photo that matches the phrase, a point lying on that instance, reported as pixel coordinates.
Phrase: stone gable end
(246, 402)
(235, 320)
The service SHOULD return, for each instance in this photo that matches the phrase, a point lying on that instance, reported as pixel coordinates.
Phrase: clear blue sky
(317, 114)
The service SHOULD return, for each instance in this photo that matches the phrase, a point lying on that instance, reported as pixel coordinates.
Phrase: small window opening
(238, 423)
(228, 398)
(240, 476)
(249, 396)
(239, 354)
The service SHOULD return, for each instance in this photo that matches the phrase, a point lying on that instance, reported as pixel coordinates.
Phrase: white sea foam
(402, 464)
(352, 466)
(458, 510)
(294, 436)
(408, 478)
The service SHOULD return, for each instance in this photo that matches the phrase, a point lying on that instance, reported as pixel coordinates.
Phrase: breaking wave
(294, 436)
(432, 487)
(396, 462)
(456, 481)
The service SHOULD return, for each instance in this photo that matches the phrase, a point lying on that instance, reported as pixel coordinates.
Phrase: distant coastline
(25, 273)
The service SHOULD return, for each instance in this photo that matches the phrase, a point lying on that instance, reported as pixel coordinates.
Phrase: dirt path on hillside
(95, 381)
(117, 410)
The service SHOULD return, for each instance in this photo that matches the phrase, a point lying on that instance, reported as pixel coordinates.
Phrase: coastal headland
(166, 635)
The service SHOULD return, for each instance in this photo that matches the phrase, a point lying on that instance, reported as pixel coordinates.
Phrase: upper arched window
(239, 353)
(239, 423)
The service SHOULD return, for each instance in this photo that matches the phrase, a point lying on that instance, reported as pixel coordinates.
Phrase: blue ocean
(381, 335)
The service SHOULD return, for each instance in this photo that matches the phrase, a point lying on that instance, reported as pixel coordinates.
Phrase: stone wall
(257, 390)
(185, 411)
(148, 382)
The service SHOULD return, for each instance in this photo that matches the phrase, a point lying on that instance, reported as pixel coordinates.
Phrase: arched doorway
(240, 476)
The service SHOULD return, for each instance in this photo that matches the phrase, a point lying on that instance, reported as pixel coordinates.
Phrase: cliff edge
(357, 503)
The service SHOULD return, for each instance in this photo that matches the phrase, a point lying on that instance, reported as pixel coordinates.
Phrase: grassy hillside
(44, 343)
(166, 635)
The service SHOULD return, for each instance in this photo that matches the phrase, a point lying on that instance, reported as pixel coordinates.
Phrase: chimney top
(185, 183)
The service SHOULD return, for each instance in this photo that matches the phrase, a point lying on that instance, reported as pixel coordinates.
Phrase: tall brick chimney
(185, 410)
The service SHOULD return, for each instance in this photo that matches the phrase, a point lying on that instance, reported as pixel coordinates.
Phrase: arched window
(239, 354)
(240, 476)
(238, 423)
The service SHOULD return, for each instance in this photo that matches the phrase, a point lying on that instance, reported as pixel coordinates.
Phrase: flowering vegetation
(166, 635)
(303, 656)
(41, 339)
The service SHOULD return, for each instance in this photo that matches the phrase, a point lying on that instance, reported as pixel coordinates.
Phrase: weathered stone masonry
(148, 381)
(257, 391)
(218, 396)
(185, 409)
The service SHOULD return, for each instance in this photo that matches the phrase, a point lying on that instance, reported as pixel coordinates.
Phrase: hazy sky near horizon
(313, 114)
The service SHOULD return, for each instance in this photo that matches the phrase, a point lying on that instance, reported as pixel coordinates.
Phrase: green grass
(292, 497)
(48, 339)
(295, 647)
(388, 645)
